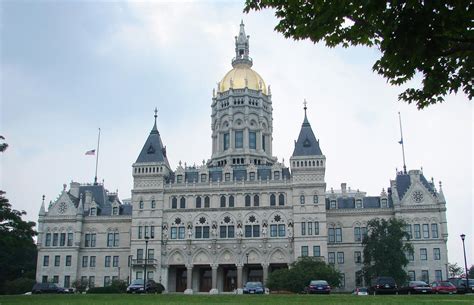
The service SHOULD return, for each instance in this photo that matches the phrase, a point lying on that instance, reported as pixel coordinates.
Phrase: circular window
(277, 218)
(227, 219)
(177, 221)
(252, 219)
(417, 196)
(202, 220)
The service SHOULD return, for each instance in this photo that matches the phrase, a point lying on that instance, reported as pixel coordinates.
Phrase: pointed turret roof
(306, 145)
(153, 150)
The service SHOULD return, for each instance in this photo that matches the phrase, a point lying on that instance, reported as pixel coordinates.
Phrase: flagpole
(97, 158)
(403, 144)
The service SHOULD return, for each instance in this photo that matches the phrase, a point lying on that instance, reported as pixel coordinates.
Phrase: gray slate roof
(404, 182)
(153, 150)
(306, 145)
(103, 199)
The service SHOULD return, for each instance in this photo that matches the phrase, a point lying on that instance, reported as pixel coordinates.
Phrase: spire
(153, 150)
(242, 48)
(42, 210)
(306, 145)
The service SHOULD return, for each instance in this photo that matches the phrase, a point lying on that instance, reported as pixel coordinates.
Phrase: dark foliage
(431, 38)
(18, 286)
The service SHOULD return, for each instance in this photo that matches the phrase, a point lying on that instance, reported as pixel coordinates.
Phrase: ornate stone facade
(238, 216)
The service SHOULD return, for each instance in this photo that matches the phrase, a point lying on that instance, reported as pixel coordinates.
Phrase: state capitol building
(237, 217)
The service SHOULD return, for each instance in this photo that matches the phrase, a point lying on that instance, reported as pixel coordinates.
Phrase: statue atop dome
(242, 48)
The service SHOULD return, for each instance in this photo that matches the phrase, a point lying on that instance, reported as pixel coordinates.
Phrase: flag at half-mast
(90, 152)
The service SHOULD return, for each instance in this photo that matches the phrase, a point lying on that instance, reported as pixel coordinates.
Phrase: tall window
(223, 201)
(358, 257)
(357, 235)
(411, 275)
(115, 262)
(231, 201)
(92, 261)
(115, 211)
(252, 140)
(310, 228)
(316, 228)
(276, 176)
(57, 260)
(417, 231)
(68, 260)
(331, 258)
(409, 230)
(90, 239)
(174, 203)
(338, 235)
(107, 261)
(423, 254)
(207, 201)
(434, 230)
(425, 277)
(301, 199)
(272, 200)
(67, 281)
(252, 231)
(436, 254)
(256, 201)
(55, 239)
(46, 260)
(153, 204)
(331, 235)
(358, 204)
(426, 230)
(201, 231)
(85, 260)
(439, 275)
(315, 199)
(239, 139)
(304, 251)
(281, 199)
(141, 205)
(113, 239)
(227, 231)
(47, 241)
(62, 239)
(226, 141)
(70, 237)
(247, 200)
(198, 202)
(264, 146)
(340, 257)
(182, 203)
(316, 251)
(303, 228)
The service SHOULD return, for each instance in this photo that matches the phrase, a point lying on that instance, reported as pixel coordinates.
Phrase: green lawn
(179, 299)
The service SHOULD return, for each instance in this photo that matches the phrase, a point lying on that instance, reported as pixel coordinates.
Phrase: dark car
(47, 288)
(413, 287)
(443, 287)
(151, 287)
(319, 286)
(254, 288)
(460, 284)
(383, 284)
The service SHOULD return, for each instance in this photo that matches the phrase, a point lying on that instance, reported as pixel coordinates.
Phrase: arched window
(281, 199)
(231, 201)
(256, 201)
(93, 212)
(182, 203)
(174, 203)
(153, 204)
(272, 200)
(222, 201)
(302, 199)
(140, 205)
(247, 200)
(207, 202)
(198, 202)
(115, 211)
(315, 199)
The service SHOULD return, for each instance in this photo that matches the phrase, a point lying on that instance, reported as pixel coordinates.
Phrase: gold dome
(239, 76)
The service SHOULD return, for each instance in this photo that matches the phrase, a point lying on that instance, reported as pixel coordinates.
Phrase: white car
(360, 291)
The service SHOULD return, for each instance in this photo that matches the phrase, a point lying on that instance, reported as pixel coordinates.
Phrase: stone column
(265, 272)
(239, 276)
(189, 280)
(164, 276)
(214, 289)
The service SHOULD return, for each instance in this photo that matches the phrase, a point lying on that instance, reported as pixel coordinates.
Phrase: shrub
(18, 286)
(119, 285)
(79, 285)
(107, 289)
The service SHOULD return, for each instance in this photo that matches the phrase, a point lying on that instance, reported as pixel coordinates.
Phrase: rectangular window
(174, 232)
(357, 235)
(343, 280)
(434, 230)
(223, 231)
(62, 239)
(91, 281)
(331, 235)
(203, 177)
(425, 277)
(230, 231)
(304, 250)
(439, 275)
(256, 231)
(140, 232)
(338, 235)
(276, 176)
(205, 232)
(315, 199)
(331, 258)
(107, 261)
(316, 228)
(44, 279)
(252, 176)
(281, 230)
(332, 205)
(340, 257)
(68, 260)
(358, 204)
(181, 233)
(410, 256)
(139, 275)
(436, 254)
(248, 231)
(85, 261)
(47, 241)
(252, 140)
(411, 275)
(110, 239)
(303, 228)
(423, 254)
(363, 231)
(106, 281)
(264, 143)
(57, 260)
(70, 237)
(226, 141)
(417, 231)
(357, 257)
(152, 235)
(227, 177)
(316, 251)
(115, 262)
(198, 232)
(92, 261)
(273, 230)
(239, 139)
(310, 228)
(67, 281)
(426, 230)
(55, 239)
(46, 260)
(56, 279)
(409, 231)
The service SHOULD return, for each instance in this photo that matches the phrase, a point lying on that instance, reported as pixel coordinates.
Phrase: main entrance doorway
(205, 279)
(255, 274)
(230, 278)
(181, 278)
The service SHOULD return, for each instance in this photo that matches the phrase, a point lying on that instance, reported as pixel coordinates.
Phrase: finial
(43, 198)
(440, 186)
(241, 21)
(156, 113)
(64, 186)
(305, 103)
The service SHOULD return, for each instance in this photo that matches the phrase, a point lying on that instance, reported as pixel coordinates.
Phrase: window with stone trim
(182, 203)
(198, 202)
(239, 139)
(426, 230)
(340, 257)
(304, 251)
(272, 200)
(223, 201)
(281, 199)
(107, 261)
(358, 257)
(417, 230)
(252, 140)
(331, 258)
(247, 200)
(174, 203)
(207, 202)
(316, 251)
(46, 260)
(231, 201)
(423, 254)
(434, 230)
(68, 260)
(302, 199)
(436, 254)
(47, 241)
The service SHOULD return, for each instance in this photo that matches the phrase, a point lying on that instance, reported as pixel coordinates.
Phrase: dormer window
(115, 211)
(383, 203)
(93, 212)
(358, 204)
(203, 177)
(227, 177)
(179, 178)
(252, 176)
(332, 204)
(276, 176)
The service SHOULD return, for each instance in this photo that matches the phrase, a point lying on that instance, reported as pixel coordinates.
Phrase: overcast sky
(69, 68)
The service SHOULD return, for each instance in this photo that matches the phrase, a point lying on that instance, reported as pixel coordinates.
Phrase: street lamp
(463, 236)
(146, 261)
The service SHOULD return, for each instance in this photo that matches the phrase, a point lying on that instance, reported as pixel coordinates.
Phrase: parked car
(319, 286)
(254, 288)
(48, 288)
(443, 287)
(383, 284)
(361, 291)
(137, 287)
(460, 284)
(413, 287)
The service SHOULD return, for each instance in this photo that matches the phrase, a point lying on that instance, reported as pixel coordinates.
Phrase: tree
(385, 249)
(471, 272)
(455, 270)
(301, 273)
(432, 38)
(3, 146)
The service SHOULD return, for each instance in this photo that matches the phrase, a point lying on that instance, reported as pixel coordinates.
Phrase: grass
(179, 299)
